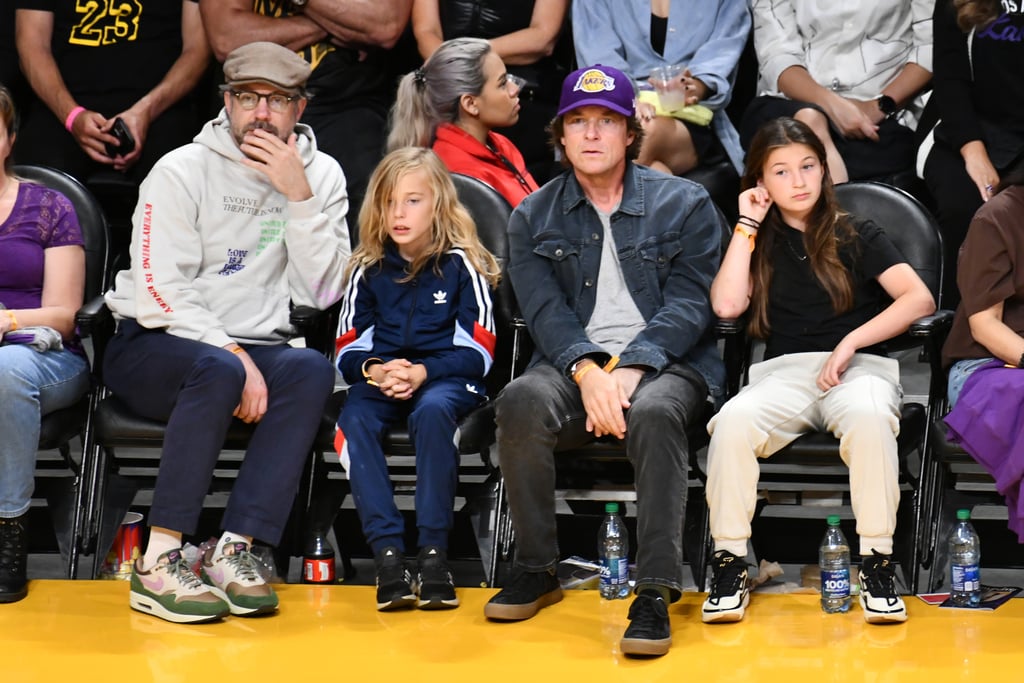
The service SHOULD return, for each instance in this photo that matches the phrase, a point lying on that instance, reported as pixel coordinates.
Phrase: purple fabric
(991, 429)
(41, 218)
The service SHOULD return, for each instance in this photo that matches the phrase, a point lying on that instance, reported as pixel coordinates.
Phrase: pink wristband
(72, 115)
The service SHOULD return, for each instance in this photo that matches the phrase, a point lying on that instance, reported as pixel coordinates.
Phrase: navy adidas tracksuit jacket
(442, 319)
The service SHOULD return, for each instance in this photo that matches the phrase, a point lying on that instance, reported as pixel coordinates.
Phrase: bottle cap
(963, 514)
(611, 508)
(833, 520)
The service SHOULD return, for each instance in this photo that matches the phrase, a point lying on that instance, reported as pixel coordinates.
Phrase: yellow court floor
(84, 631)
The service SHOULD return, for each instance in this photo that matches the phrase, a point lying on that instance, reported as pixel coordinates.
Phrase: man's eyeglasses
(276, 102)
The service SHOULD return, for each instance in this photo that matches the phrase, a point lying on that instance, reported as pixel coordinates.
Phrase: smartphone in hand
(126, 143)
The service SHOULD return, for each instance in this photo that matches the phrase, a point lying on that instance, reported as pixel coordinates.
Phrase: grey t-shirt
(616, 320)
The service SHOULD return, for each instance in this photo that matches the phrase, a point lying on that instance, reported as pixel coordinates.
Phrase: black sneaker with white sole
(881, 603)
(729, 595)
(394, 582)
(435, 587)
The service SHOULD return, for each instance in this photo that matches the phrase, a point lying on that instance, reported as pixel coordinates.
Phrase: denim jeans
(32, 384)
(194, 387)
(958, 374)
(541, 413)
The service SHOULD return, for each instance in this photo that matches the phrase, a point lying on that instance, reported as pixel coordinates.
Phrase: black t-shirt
(800, 312)
(492, 18)
(340, 75)
(112, 53)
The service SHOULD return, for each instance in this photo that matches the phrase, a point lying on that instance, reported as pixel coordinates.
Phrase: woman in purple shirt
(42, 276)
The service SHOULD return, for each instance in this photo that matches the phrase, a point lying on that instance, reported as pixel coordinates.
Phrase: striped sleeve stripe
(348, 302)
(485, 317)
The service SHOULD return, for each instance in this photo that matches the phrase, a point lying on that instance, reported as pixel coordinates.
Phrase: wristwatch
(886, 104)
(576, 366)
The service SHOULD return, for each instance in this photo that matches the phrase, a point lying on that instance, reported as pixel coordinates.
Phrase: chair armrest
(92, 315)
(729, 326)
(936, 323)
(305, 318)
(317, 326)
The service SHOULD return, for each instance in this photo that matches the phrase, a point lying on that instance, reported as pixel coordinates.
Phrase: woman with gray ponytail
(452, 103)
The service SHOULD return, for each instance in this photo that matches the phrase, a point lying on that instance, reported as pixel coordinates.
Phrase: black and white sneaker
(435, 588)
(878, 597)
(729, 594)
(394, 583)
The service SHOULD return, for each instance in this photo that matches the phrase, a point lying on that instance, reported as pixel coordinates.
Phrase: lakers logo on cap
(594, 80)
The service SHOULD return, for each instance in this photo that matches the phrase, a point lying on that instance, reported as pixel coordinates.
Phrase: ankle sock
(160, 541)
(654, 590)
(230, 537)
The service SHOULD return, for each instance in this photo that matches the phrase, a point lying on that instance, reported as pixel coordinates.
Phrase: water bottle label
(835, 583)
(615, 571)
(966, 578)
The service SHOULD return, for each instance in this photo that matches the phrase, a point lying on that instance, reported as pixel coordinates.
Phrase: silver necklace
(792, 250)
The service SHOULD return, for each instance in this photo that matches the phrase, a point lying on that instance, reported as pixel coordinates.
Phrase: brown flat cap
(264, 62)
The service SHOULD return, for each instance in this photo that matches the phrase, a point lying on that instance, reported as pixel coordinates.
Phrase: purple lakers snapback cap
(603, 86)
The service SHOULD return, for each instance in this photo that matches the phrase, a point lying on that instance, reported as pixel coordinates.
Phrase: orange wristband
(582, 371)
(748, 232)
(14, 321)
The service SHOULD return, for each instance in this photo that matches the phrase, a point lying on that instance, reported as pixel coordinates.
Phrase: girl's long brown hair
(975, 13)
(828, 226)
(452, 227)
(9, 120)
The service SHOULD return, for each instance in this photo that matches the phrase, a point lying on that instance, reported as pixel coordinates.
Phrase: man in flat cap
(229, 230)
(347, 42)
(612, 266)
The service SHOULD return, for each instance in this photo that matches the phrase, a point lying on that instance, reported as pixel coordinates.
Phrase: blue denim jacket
(669, 239)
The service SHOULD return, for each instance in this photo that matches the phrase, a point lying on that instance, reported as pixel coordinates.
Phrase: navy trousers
(433, 415)
(195, 387)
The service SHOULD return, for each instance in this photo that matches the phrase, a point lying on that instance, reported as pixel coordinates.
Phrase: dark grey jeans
(541, 413)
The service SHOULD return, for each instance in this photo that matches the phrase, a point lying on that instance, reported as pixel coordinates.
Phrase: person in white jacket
(228, 231)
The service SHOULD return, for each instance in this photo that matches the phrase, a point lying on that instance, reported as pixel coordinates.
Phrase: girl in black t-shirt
(813, 279)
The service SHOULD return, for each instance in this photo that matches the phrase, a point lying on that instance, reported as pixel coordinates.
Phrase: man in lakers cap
(612, 266)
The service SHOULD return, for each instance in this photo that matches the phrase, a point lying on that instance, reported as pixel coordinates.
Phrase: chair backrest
(95, 232)
(906, 222)
(491, 211)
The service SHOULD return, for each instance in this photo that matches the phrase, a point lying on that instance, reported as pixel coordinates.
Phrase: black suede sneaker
(524, 595)
(394, 583)
(729, 595)
(649, 633)
(435, 587)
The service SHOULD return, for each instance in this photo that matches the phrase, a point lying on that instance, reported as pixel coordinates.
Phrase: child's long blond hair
(452, 226)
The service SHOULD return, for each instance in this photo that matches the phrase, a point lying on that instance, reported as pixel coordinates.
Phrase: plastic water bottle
(834, 560)
(965, 562)
(613, 551)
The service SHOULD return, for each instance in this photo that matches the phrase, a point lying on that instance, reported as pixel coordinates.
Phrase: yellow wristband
(14, 321)
(237, 349)
(747, 232)
(611, 364)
